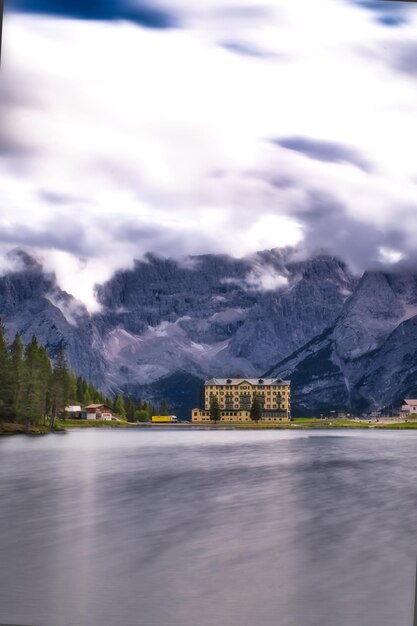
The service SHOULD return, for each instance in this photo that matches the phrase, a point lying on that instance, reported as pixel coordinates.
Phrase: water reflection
(155, 528)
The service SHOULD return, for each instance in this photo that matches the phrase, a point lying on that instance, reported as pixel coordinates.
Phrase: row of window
(279, 411)
(236, 393)
(243, 419)
(232, 387)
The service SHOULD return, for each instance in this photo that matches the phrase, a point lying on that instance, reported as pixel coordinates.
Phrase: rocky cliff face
(166, 324)
(215, 315)
(31, 303)
(368, 357)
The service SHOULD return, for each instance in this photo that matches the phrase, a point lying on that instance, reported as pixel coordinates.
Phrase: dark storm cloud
(328, 225)
(387, 13)
(69, 237)
(159, 238)
(138, 12)
(328, 151)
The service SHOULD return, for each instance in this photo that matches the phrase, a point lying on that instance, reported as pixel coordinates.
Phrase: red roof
(98, 406)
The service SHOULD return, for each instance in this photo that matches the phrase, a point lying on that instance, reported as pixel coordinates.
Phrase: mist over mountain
(345, 341)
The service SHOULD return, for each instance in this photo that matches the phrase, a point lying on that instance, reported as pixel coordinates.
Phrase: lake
(170, 527)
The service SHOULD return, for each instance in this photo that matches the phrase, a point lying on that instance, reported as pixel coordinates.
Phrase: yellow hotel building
(235, 396)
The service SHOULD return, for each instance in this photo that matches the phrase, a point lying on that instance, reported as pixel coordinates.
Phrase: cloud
(402, 56)
(328, 225)
(141, 13)
(260, 278)
(55, 234)
(116, 141)
(327, 151)
(247, 49)
(386, 12)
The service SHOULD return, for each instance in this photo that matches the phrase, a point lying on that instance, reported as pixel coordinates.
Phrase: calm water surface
(208, 528)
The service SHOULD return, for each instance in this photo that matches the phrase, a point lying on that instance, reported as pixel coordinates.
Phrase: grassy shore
(309, 424)
(61, 426)
(93, 424)
(296, 424)
(9, 428)
(399, 425)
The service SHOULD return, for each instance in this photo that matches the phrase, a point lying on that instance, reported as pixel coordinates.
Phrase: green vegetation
(297, 424)
(215, 414)
(256, 409)
(63, 424)
(34, 391)
(399, 425)
(119, 407)
(142, 416)
(7, 428)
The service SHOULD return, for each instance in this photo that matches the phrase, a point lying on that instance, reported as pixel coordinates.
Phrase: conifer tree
(60, 386)
(129, 409)
(87, 398)
(119, 408)
(108, 401)
(45, 382)
(215, 413)
(93, 393)
(81, 389)
(35, 383)
(256, 409)
(6, 380)
(17, 368)
(72, 388)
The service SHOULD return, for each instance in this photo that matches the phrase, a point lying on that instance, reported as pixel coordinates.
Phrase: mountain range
(345, 341)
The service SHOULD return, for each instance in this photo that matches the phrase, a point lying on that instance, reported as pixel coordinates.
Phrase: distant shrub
(142, 416)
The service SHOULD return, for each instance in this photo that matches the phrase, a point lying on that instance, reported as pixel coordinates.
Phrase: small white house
(73, 412)
(98, 412)
(408, 407)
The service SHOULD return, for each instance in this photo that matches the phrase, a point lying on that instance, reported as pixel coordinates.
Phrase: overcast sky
(194, 126)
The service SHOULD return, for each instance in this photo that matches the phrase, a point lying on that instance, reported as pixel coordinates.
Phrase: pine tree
(129, 409)
(256, 409)
(81, 389)
(60, 386)
(35, 383)
(108, 401)
(72, 388)
(119, 408)
(215, 413)
(45, 382)
(7, 409)
(164, 407)
(17, 368)
(93, 393)
(87, 398)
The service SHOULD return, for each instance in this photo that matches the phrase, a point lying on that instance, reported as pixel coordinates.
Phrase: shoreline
(8, 429)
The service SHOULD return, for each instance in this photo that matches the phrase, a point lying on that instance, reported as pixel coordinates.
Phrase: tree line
(34, 391)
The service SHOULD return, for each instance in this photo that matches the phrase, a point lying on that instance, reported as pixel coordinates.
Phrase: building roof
(410, 402)
(251, 381)
(97, 406)
(73, 409)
